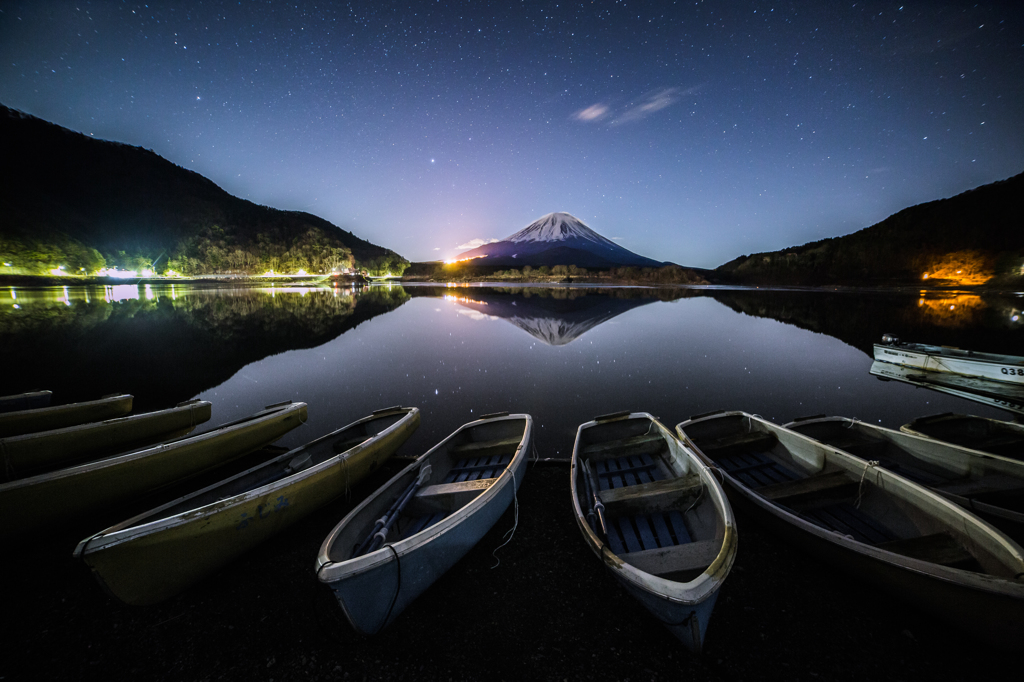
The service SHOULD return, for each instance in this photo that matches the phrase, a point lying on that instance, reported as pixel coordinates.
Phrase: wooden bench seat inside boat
(644, 444)
(654, 496)
(937, 548)
(447, 497)
(755, 469)
(486, 448)
(736, 443)
(846, 519)
(694, 556)
(636, 532)
(834, 484)
(477, 467)
(627, 470)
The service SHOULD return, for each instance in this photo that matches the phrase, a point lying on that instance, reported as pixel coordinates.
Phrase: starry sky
(687, 131)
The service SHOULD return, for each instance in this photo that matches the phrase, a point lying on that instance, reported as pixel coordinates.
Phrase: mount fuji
(557, 239)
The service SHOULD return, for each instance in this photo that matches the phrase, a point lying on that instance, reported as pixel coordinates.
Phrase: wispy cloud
(650, 103)
(473, 243)
(595, 112)
(437, 248)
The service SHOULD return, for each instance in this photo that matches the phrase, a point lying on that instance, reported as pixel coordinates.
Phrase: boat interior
(657, 515)
(835, 493)
(938, 466)
(977, 433)
(282, 466)
(460, 469)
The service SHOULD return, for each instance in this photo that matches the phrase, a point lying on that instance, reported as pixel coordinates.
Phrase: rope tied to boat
(398, 587)
(871, 463)
(508, 535)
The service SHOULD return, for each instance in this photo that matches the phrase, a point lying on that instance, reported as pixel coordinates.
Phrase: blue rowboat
(656, 517)
(425, 519)
(867, 520)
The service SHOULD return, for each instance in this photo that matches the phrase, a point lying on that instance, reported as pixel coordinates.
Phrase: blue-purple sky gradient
(690, 132)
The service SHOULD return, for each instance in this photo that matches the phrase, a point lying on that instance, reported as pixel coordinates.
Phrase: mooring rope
(860, 486)
(508, 535)
(398, 586)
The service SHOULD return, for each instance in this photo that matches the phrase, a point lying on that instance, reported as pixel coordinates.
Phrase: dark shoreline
(548, 611)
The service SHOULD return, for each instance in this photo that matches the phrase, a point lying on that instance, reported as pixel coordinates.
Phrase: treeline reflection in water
(563, 354)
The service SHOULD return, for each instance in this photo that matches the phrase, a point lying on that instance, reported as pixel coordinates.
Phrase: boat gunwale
(955, 353)
(329, 571)
(1013, 588)
(127, 530)
(267, 414)
(55, 409)
(687, 593)
(956, 417)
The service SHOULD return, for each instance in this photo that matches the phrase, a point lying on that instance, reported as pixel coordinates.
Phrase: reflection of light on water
(475, 314)
(66, 300)
(951, 311)
(174, 294)
(149, 293)
(120, 292)
(463, 299)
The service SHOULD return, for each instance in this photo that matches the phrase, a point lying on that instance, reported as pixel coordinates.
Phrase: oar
(598, 505)
(591, 519)
(380, 530)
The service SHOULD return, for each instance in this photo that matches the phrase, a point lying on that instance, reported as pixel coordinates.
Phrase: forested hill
(973, 238)
(68, 199)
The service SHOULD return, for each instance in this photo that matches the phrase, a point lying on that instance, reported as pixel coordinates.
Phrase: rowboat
(25, 401)
(656, 517)
(161, 552)
(47, 500)
(401, 539)
(33, 453)
(60, 416)
(990, 366)
(881, 527)
(978, 433)
(1005, 396)
(989, 485)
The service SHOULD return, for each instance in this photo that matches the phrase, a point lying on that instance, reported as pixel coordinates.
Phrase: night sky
(690, 132)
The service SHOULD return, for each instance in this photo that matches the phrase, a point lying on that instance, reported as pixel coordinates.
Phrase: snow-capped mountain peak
(557, 227)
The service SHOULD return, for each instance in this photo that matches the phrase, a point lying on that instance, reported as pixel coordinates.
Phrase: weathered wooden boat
(879, 526)
(990, 366)
(33, 453)
(161, 552)
(656, 517)
(1005, 396)
(993, 436)
(989, 485)
(60, 416)
(29, 400)
(46, 500)
(401, 539)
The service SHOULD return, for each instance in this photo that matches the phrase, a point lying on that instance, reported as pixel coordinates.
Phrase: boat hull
(39, 502)
(146, 563)
(62, 416)
(375, 588)
(34, 453)
(994, 394)
(1001, 368)
(987, 607)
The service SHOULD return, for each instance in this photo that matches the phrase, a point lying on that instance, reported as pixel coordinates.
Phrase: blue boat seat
(633, 533)
(627, 470)
(846, 519)
(474, 468)
(418, 523)
(755, 469)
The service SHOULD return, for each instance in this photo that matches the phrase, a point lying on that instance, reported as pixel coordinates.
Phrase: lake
(563, 354)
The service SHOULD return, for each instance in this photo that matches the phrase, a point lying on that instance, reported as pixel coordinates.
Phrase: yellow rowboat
(33, 453)
(60, 416)
(25, 401)
(43, 501)
(156, 555)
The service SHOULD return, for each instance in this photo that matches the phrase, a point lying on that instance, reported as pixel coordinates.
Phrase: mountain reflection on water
(460, 351)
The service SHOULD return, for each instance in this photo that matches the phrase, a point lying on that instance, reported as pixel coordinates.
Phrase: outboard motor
(890, 339)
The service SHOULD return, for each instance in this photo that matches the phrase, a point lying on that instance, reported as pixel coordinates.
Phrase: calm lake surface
(563, 355)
